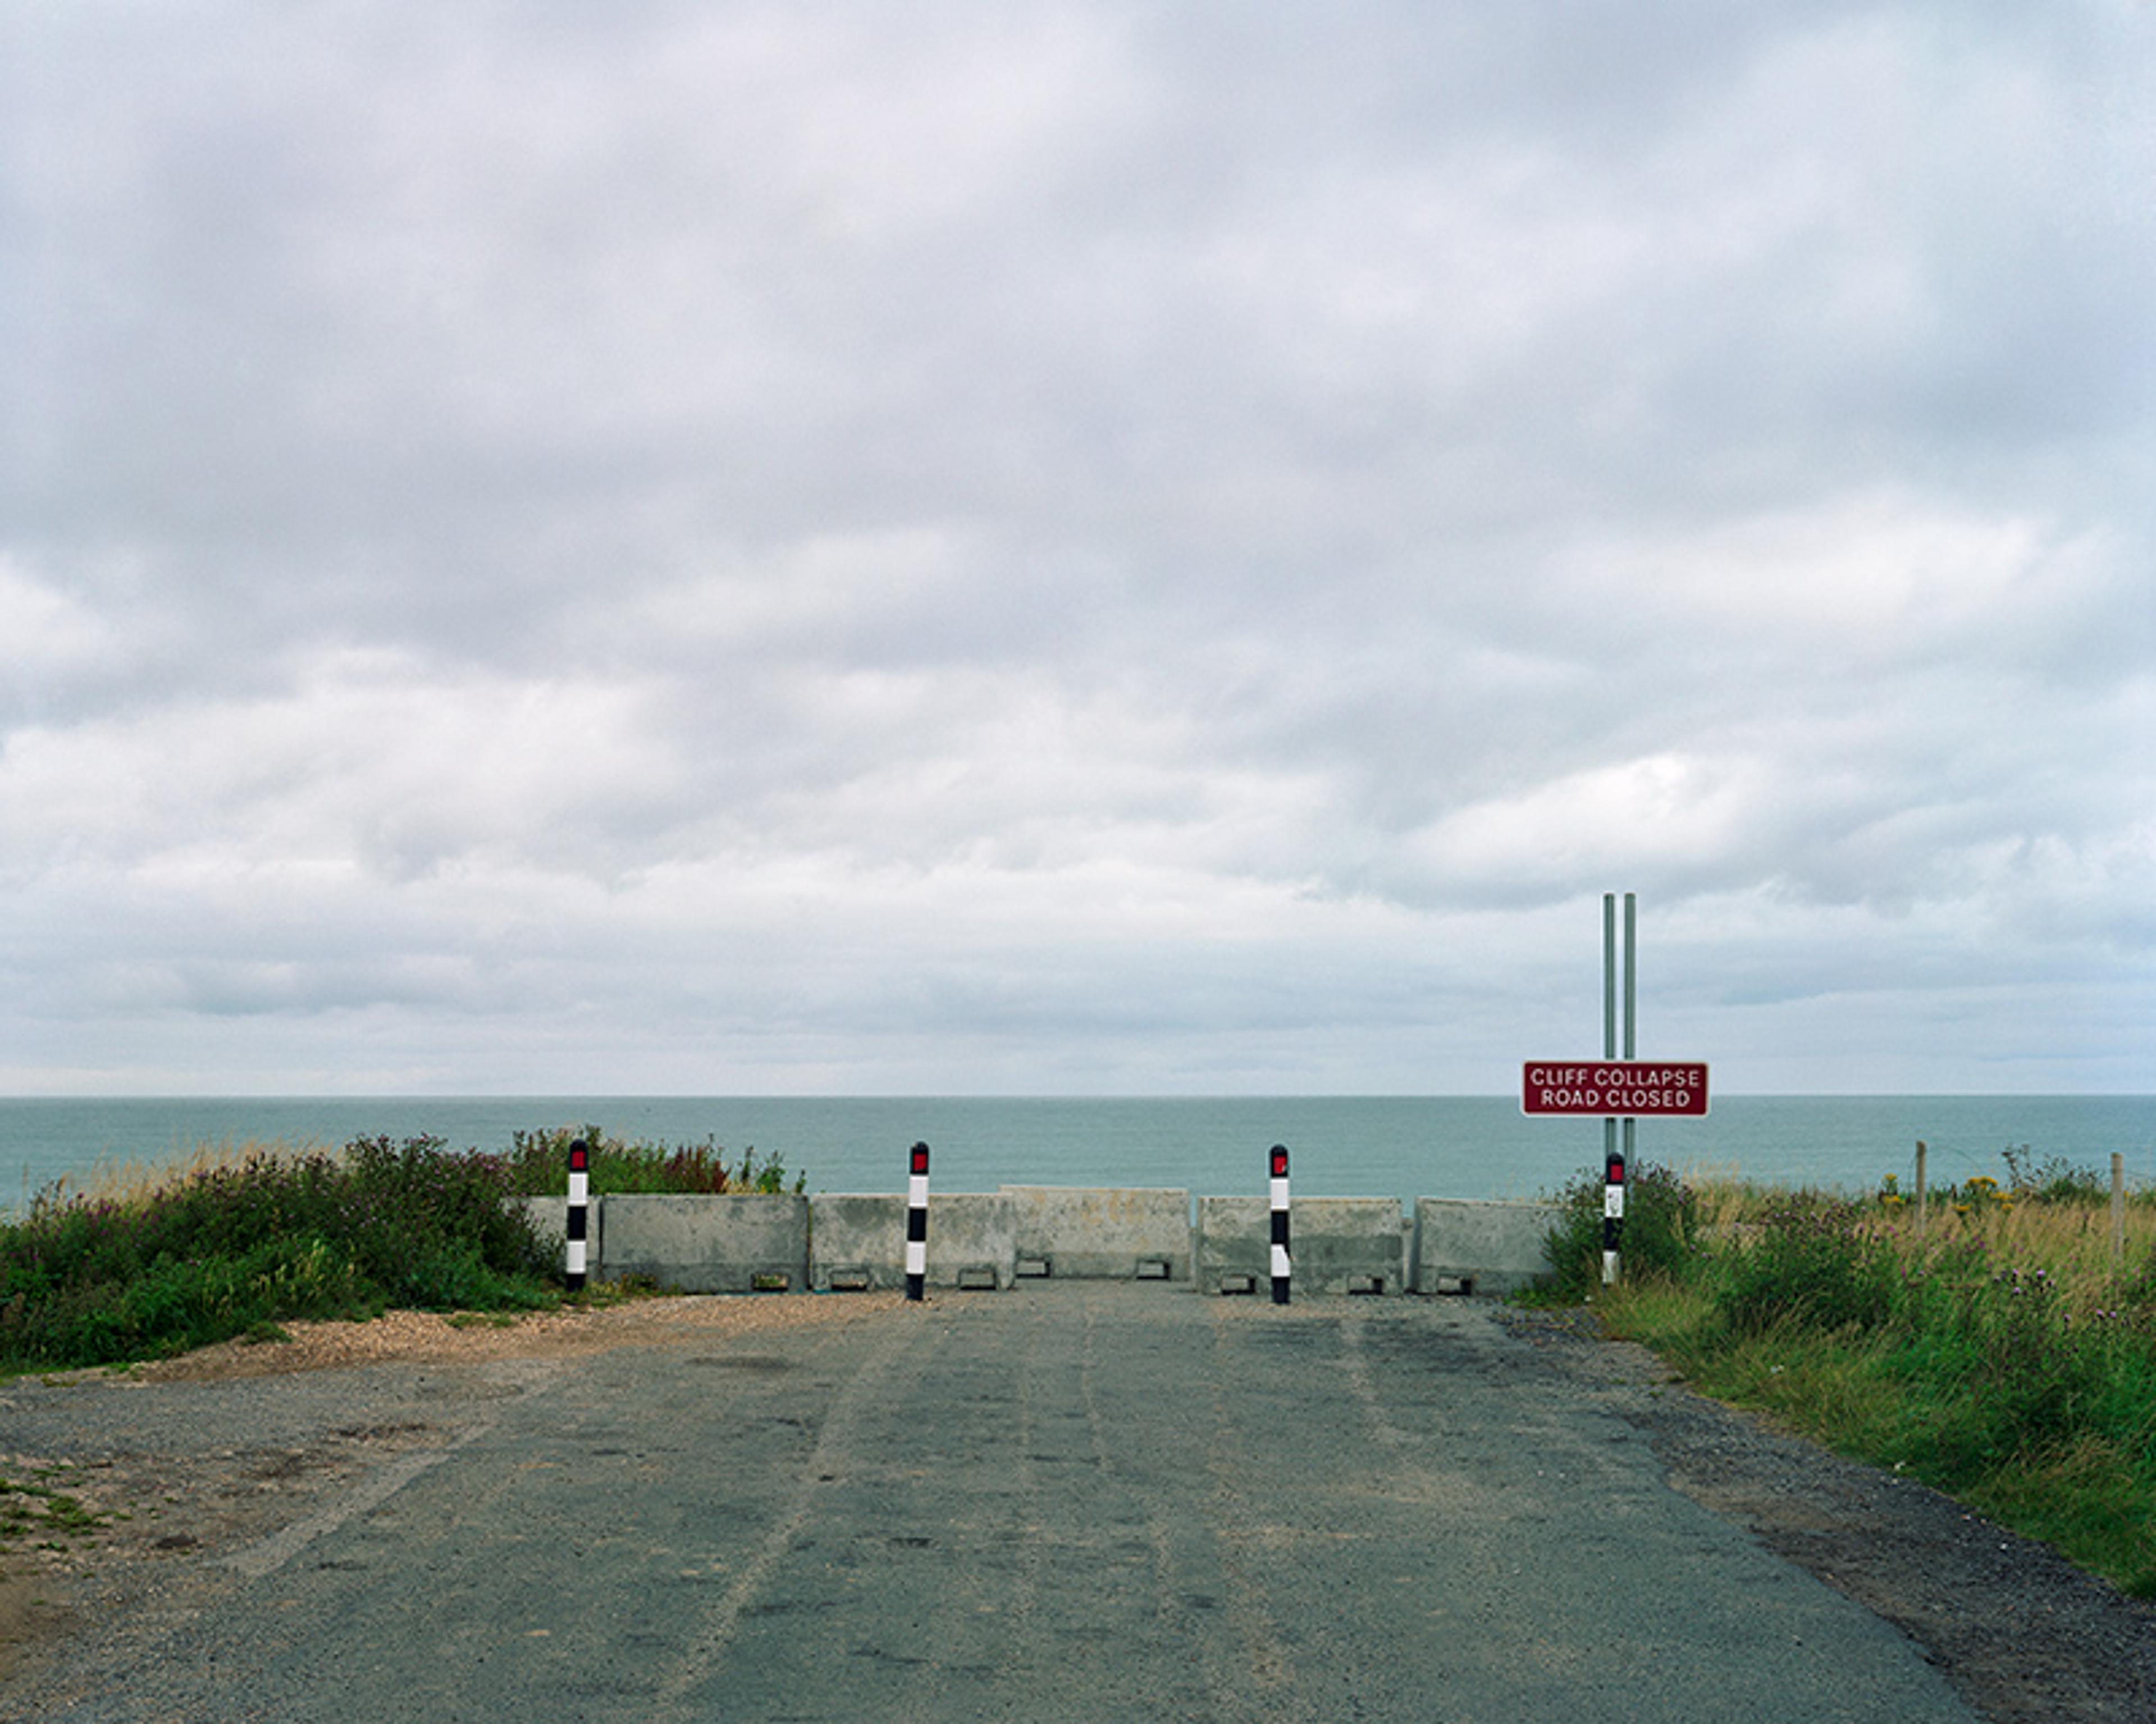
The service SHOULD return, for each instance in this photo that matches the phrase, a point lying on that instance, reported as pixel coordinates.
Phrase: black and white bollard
(1613, 1217)
(916, 1224)
(580, 1195)
(1281, 1269)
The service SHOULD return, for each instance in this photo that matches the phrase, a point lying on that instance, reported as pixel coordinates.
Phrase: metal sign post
(1631, 1052)
(1612, 1157)
(1613, 1181)
(1621, 1086)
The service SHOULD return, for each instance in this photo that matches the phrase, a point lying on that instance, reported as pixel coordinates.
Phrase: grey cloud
(1093, 527)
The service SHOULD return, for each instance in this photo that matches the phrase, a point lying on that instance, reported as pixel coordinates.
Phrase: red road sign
(1616, 1088)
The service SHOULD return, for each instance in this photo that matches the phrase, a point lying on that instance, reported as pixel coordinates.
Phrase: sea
(1340, 1146)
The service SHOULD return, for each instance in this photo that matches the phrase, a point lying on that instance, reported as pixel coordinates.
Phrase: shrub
(227, 1249)
(1661, 1219)
(2053, 1180)
(1812, 1263)
(231, 1248)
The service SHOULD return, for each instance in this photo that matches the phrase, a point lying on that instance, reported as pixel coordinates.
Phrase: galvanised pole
(1613, 1165)
(1631, 1000)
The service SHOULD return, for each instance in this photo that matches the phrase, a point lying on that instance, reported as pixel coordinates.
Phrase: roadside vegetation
(1999, 1351)
(538, 1166)
(233, 1242)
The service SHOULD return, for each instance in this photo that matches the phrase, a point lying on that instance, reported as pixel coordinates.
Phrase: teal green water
(1407, 1147)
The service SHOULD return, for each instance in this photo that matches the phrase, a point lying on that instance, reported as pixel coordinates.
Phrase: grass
(233, 1241)
(37, 1509)
(2000, 1353)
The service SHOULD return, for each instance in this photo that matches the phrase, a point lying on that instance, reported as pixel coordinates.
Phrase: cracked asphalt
(1079, 1501)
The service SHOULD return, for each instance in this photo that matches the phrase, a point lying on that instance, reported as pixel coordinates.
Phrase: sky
(1074, 548)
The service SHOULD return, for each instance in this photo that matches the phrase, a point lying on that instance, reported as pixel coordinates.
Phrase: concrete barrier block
(1336, 1245)
(750, 1242)
(858, 1241)
(1467, 1246)
(1101, 1233)
(550, 1219)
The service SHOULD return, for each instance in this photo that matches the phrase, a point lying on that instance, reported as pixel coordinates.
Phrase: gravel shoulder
(142, 1513)
(2023, 1637)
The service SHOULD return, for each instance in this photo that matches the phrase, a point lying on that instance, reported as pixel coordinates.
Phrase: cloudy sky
(1073, 547)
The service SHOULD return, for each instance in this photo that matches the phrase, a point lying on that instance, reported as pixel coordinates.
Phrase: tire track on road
(265, 1556)
(835, 1451)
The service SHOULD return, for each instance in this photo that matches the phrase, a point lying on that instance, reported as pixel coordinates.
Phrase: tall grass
(2000, 1353)
(135, 1178)
(234, 1239)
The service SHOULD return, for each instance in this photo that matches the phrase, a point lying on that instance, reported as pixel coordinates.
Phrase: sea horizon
(1459, 1146)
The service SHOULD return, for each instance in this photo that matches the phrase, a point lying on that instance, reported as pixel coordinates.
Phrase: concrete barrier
(1101, 1233)
(549, 1220)
(858, 1241)
(744, 1244)
(1463, 1246)
(753, 1242)
(1338, 1245)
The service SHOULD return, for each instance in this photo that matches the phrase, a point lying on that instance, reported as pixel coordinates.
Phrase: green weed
(2003, 1354)
(27, 1508)
(1661, 1219)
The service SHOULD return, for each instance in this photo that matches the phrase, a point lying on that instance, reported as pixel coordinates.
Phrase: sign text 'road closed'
(1674, 1088)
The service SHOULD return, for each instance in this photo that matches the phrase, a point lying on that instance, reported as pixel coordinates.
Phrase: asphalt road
(1077, 1501)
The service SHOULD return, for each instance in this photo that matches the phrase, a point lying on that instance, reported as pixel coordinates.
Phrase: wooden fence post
(2117, 1206)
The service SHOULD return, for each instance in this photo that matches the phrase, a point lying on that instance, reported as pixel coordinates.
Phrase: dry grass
(135, 1180)
(2071, 1243)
